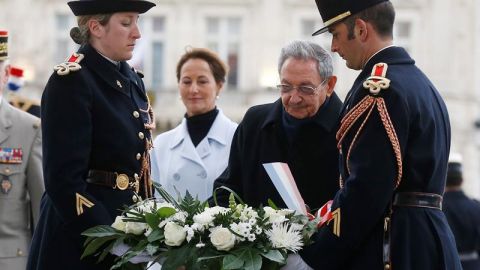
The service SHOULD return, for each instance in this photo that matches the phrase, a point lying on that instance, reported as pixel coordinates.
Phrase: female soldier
(192, 155)
(96, 122)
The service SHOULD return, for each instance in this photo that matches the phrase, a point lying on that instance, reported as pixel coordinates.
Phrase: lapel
(106, 70)
(182, 140)
(5, 120)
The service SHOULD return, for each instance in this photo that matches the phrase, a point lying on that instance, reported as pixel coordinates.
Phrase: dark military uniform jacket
(261, 138)
(21, 183)
(463, 215)
(91, 121)
(420, 237)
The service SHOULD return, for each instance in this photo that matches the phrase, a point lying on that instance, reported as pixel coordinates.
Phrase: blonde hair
(81, 34)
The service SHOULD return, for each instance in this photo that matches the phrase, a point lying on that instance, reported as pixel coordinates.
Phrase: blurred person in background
(96, 127)
(15, 83)
(192, 155)
(21, 176)
(463, 215)
(298, 129)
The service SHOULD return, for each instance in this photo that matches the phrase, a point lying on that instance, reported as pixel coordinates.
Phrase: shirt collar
(377, 53)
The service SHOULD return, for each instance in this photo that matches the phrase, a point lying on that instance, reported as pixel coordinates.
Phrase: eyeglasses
(303, 89)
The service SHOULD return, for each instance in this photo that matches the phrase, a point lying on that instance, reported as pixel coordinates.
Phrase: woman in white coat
(192, 155)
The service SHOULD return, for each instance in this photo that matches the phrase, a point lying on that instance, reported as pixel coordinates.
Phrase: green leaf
(253, 261)
(272, 204)
(177, 257)
(152, 220)
(232, 262)
(96, 244)
(101, 231)
(276, 256)
(155, 235)
(165, 212)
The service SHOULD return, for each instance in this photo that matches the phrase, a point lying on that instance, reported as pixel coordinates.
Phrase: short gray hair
(306, 50)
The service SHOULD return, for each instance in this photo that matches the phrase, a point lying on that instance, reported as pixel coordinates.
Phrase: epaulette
(71, 64)
(140, 73)
(375, 83)
(378, 80)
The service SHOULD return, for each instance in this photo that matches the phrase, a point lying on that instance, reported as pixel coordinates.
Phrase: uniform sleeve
(67, 141)
(232, 175)
(34, 175)
(368, 189)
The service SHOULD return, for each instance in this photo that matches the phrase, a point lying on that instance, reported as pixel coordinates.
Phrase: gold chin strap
(375, 84)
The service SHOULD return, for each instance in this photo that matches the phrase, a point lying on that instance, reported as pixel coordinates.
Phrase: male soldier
(14, 84)
(20, 174)
(463, 215)
(394, 140)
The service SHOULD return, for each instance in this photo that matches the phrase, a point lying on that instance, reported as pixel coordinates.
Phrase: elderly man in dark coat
(298, 129)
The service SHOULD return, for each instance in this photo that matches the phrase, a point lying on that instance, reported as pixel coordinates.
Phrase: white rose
(119, 224)
(174, 234)
(136, 228)
(222, 238)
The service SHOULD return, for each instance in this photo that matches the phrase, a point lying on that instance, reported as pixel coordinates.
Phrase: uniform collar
(106, 69)
(389, 55)
(326, 117)
(217, 132)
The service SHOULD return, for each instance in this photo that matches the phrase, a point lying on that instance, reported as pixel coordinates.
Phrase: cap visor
(321, 31)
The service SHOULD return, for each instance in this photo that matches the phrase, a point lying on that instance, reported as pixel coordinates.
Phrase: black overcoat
(312, 156)
(90, 120)
(420, 237)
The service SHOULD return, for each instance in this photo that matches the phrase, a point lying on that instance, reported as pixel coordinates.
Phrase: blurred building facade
(442, 35)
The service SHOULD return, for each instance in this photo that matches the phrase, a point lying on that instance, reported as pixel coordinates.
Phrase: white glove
(295, 262)
(119, 250)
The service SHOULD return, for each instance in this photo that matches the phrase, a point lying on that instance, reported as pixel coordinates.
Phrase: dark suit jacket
(88, 122)
(420, 237)
(260, 138)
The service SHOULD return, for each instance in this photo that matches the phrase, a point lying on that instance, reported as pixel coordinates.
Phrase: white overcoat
(180, 166)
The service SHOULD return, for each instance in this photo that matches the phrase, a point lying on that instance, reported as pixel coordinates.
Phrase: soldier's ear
(361, 29)
(95, 28)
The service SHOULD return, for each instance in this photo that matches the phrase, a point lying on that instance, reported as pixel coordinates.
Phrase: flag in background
(15, 81)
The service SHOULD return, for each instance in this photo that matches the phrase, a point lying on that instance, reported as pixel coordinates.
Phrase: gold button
(19, 252)
(136, 114)
(136, 176)
(141, 135)
(138, 156)
(134, 198)
(119, 84)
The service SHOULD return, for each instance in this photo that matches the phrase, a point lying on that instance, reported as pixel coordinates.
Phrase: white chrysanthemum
(204, 218)
(258, 230)
(284, 236)
(251, 237)
(190, 232)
